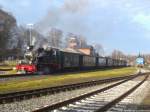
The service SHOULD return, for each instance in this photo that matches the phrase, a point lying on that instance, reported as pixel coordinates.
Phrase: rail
(21, 95)
(79, 98)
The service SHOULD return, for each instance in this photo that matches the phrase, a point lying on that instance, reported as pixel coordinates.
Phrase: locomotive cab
(47, 60)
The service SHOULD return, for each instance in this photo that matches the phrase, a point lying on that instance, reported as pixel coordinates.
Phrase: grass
(12, 72)
(63, 79)
(8, 64)
(7, 71)
(6, 67)
(146, 100)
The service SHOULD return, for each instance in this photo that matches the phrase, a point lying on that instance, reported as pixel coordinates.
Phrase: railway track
(18, 96)
(98, 101)
(19, 75)
(6, 69)
(14, 75)
(11, 77)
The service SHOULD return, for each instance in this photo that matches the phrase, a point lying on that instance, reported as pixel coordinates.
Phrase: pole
(30, 38)
(30, 33)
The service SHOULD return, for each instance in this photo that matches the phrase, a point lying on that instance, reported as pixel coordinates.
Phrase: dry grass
(7, 71)
(6, 67)
(146, 100)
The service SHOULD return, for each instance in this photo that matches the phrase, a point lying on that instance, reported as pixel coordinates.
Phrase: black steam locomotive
(53, 59)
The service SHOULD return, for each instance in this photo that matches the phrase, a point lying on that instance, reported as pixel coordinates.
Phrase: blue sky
(26, 11)
(116, 24)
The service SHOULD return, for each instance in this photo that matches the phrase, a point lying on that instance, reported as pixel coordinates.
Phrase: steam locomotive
(49, 60)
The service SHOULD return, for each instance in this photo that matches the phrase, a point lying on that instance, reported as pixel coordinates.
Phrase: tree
(55, 37)
(82, 41)
(13, 38)
(116, 54)
(7, 22)
(99, 49)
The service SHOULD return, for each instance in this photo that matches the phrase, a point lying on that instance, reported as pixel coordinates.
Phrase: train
(51, 59)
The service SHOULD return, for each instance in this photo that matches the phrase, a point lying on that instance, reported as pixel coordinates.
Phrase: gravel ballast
(35, 103)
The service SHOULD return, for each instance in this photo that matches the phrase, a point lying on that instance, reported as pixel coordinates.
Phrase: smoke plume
(68, 17)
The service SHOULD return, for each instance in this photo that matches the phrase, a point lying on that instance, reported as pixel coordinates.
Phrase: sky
(116, 24)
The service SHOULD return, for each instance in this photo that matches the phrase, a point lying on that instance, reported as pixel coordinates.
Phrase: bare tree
(82, 41)
(99, 49)
(21, 38)
(116, 54)
(55, 37)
